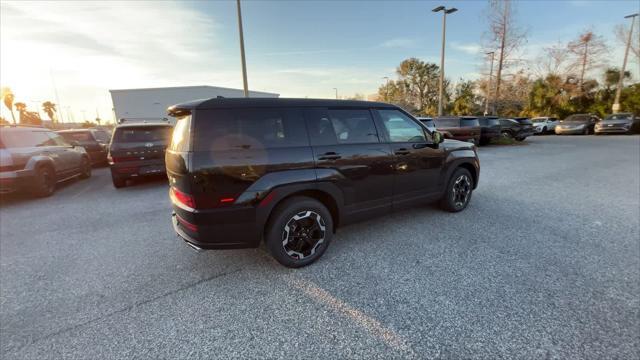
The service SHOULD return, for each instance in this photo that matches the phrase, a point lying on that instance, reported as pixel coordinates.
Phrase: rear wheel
(118, 182)
(458, 192)
(45, 181)
(506, 135)
(585, 131)
(299, 231)
(85, 168)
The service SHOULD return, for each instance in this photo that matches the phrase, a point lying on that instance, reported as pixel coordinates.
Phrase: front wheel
(299, 231)
(506, 135)
(85, 169)
(458, 192)
(585, 131)
(44, 182)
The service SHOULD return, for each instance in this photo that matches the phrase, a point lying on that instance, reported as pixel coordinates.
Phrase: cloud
(398, 43)
(470, 48)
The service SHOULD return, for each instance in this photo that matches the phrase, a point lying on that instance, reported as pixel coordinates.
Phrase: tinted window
(508, 122)
(469, 122)
(353, 126)
(525, 121)
(77, 136)
(248, 129)
(400, 127)
(428, 122)
(577, 118)
(56, 140)
(142, 134)
(102, 136)
(181, 134)
(24, 138)
(489, 122)
(444, 122)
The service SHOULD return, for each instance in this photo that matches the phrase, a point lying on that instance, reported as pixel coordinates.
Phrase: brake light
(227, 200)
(182, 198)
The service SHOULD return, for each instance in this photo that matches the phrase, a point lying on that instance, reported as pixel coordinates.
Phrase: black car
(512, 129)
(620, 123)
(91, 140)
(290, 171)
(35, 159)
(489, 129)
(463, 128)
(137, 150)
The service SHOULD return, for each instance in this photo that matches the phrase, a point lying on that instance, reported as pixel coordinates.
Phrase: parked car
(137, 150)
(583, 124)
(544, 124)
(463, 128)
(489, 129)
(512, 129)
(428, 122)
(35, 159)
(91, 141)
(290, 171)
(626, 123)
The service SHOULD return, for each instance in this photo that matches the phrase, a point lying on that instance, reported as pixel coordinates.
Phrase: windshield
(24, 138)
(102, 136)
(619, 117)
(142, 134)
(577, 118)
(536, 120)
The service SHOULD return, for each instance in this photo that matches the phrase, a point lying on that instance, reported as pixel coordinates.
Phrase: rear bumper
(612, 130)
(130, 169)
(218, 232)
(577, 131)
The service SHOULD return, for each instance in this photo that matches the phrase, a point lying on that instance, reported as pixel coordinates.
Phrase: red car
(463, 128)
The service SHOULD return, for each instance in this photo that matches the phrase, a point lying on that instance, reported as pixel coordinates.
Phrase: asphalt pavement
(545, 263)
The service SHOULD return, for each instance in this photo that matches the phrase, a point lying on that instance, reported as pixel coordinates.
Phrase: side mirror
(438, 138)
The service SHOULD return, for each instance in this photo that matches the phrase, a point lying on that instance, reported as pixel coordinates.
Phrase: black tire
(312, 239)
(484, 142)
(451, 201)
(44, 184)
(520, 138)
(85, 168)
(586, 131)
(544, 130)
(118, 182)
(506, 134)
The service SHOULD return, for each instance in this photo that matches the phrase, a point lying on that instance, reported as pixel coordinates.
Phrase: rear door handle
(331, 155)
(402, 151)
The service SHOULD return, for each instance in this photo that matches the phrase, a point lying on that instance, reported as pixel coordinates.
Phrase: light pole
(336, 89)
(244, 63)
(386, 95)
(486, 105)
(445, 11)
(616, 102)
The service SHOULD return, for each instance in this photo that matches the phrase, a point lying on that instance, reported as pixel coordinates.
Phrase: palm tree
(21, 108)
(7, 98)
(50, 109)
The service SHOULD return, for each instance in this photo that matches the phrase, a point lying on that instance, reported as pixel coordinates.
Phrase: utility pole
(486, 105)
(616, 102)
(445, 11)
(336, 89)
(55, 89)
(244, 63)
(505, 15)
(386, 95)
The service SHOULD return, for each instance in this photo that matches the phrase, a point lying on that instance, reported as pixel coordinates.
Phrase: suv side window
(353, 126)
(228, 129)
(400, 127)
(56, 140)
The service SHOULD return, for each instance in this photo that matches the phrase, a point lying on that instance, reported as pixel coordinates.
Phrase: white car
(544, 125)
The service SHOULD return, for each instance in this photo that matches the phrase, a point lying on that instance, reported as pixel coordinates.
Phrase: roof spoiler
(142, 120)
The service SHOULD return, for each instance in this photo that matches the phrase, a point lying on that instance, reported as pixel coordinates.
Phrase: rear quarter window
(229, 129)
(181, 138)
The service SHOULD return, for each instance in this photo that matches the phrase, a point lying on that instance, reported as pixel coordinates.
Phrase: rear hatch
(139, 146)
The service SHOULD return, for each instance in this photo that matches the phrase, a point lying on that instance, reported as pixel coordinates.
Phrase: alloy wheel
(302, 234)
(461, 191)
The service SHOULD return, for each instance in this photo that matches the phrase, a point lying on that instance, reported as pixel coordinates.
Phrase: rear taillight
(182, 198)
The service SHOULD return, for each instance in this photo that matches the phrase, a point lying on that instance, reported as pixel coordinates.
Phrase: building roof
(216, 103)
(206, 87)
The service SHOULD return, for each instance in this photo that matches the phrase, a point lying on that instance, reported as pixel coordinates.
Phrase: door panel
(417, 161)
(347, 141)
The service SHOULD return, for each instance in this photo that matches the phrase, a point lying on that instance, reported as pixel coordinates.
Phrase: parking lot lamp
(616, 102)
(486, 105)
(445, 11)
(244, 63)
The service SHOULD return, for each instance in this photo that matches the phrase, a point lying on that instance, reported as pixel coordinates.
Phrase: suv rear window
(447, 122)
(228, 129)
(80, 136)
(131, 134)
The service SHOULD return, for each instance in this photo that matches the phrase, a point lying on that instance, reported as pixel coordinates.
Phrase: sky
(72, 53)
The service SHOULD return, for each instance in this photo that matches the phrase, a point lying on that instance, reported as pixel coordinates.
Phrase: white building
(152, 103)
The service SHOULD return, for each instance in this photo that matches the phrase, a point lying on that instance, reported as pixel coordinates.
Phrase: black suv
(290, 171)
(96, 142)
(137, 150)
(516, 129)
(35, 159)
(490, 129)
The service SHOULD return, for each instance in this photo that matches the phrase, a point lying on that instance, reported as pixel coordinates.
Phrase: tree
(50, 109)
(7, 98)
(622, 34)
(465, 102)
(587, 49)
(420, 80)
(504, 36)
(21, 108)
(612, 75)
